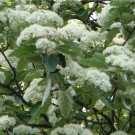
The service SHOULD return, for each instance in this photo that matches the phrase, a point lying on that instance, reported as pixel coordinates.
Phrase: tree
(67, 67)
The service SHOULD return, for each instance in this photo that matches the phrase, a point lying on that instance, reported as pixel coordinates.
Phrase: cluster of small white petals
(99, 104)
(52, 115)
(120, 56)
(73, 31)
(123, 61)
(15, 17)
(92, 38)
(117, 50)
(119, 133)
(13, 60)
(26, 130)
(2, 76)
(6, 122)
(71, 129)
(98, 78)
(35, 31)
(45, 45)
(34, 93)
(29, 8)
(70, 3)
(93, 76)
(102, 17)
(45, 17)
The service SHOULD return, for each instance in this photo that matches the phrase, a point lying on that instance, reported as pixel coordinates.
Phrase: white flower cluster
(71, 129)
(6, 122)
(93, 38)
(119, 133)
(45, 17)
(52, 115)
(30, 8)
(34, 93)
(74, 31)
(93, 76)
(71, 3)
(25, 130)
(45, 45)
(102, 17)
(37, 31)
(15, 17)
(120, 56)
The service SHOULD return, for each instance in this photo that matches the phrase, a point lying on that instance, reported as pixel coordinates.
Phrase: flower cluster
(71, 129)
(91, 75)
(6, 122)
(34, 93)
(37, 31)
(25, 130)
(45, 17)
(120, 56)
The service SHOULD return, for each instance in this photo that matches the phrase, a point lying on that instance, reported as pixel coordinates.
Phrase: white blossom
(52, 115)
(120, 56)
(35, 31)
(34, 93)
(119, 133)
(103, 16)
(71, 129)
(45, 17)
(45, 45)
(91, 75)
(29, 8)
(6, 122)
(15, 17)
(123, 61)
(73, 31)
(23, 129)
(117, 50)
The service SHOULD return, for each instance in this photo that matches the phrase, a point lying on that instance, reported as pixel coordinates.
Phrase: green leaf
(108, 103)
(58, 79)
(50, 61)
(111, 34)
(121, 2)
(33, 74)
(65, 103)
(47, 90)
(23, 50)
(22, 64)
(97, 60)
(71, 49)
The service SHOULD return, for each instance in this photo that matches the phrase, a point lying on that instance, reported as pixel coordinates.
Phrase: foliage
(67, 67)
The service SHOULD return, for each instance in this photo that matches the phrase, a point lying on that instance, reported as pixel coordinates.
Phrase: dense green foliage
(67, 62)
